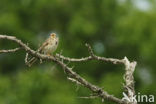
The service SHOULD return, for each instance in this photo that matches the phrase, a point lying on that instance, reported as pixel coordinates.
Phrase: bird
(48, 47)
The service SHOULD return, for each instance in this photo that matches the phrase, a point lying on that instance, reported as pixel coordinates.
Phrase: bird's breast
(51, 47)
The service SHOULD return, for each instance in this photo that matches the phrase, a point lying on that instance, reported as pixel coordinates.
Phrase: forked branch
(76, 78)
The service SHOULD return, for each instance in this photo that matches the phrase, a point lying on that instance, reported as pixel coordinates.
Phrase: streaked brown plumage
(48, 47)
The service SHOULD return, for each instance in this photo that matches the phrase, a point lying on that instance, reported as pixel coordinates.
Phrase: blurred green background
(114, 28)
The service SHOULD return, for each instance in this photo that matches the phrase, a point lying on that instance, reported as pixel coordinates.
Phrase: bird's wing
(40, 49)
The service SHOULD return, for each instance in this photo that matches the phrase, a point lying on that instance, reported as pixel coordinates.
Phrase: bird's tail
(31, 61)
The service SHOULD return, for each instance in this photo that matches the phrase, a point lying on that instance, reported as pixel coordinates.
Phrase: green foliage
(36, 86)
(114, 28)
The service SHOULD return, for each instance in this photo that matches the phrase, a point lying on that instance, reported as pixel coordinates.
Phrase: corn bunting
(48, 47)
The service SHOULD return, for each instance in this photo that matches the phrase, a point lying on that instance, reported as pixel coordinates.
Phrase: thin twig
(26, 58)
(89, 97)
(74, 81)
(10, 50)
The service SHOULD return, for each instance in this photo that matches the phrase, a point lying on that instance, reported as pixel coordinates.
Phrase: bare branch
(90, 50)
(74, 77)
(129, 79)
(74, 59)
(26, 58)
(10, 50)
(92, 57)
(89, 97)
(74, 81)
